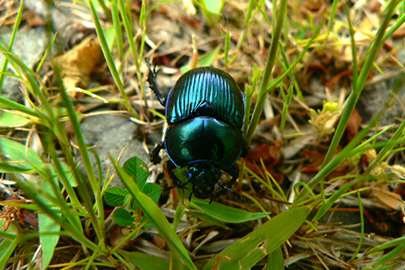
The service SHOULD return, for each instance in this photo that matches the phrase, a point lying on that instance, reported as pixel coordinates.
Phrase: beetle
(205, 113)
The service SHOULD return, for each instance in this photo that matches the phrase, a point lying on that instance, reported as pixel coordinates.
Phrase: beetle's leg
(153, 83)
(245, 149)
(176, 181)
(225, 187)
(154, 156)
(180, 184)
(234, 172)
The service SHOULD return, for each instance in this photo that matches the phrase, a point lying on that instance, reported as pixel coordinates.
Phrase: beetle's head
(203, 176)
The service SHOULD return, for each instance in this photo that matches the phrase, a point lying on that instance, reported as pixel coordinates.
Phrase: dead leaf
(79, 63)
(399, 171)
(375, 6)
(313, 156)
(313, 5)
(354, 125)
(389, 198)
(118, 234)
(400, 33)
(10, 213)
(366, 28)
(258, 169)
(270, 154)
(159, 242)
(315, 159)
(335, 80)
(35, 20)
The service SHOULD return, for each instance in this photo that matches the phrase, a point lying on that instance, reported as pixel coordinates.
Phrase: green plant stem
(11, 44)
(387, 258)
(6, 235)
(142, 25)
(31, 76)
(128, 30)
(287, 100)
(110, 61)
(351, 104)
(386, 245)
(346, 152)
(246, 24)
(398, 24)
(62, 177)
(361, 227)
(156, 216)
(250, 90)
(332, 16)
(248, 137)
(290, 75)
(353, 45)
(206, 13)
(44, 57)
(399, 83)
(129, 236)
(49, 117)
(267, 71)
(30, 191)
(6, 103)
(105, 9)
(98, 222)
(117, 29)
(122, 260)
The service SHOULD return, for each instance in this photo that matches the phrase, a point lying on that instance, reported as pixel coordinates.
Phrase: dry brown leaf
(79, 63)
(315, 159)
(313, 5)
(335, 80)
(10, 213)
(258, 169)
(400, 33)
(366, 28)
(354, 124)
(389, 198)
(270, 154)
(375, 6)
(35, 20)
(398, 170)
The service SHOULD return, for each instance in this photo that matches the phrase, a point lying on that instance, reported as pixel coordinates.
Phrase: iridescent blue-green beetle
(205, 113)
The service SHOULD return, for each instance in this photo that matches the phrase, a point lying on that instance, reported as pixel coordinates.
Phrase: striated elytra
(205, 112)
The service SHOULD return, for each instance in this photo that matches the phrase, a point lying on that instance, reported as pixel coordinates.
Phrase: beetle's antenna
(224, 187)
(181, 185)
(153, 83)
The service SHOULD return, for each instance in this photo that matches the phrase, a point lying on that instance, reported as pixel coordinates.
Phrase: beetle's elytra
(205, 111)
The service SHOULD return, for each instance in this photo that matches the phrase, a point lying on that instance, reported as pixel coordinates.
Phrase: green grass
(72, 218)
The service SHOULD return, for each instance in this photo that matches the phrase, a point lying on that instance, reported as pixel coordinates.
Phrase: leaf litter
(322, 75)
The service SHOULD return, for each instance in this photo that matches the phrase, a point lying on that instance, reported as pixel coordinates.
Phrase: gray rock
(109, 134)
(11, 89)
(66, 20)
(29, 45)
(374, 97)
